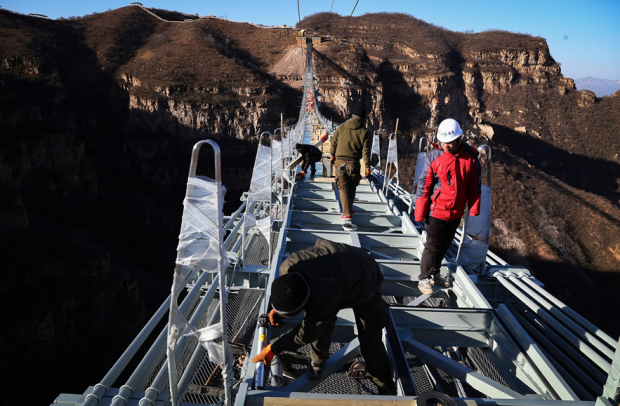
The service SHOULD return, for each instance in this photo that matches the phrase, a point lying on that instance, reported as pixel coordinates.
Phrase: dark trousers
(347, 178)
(439, 236)
(370, 318)
(311, 164)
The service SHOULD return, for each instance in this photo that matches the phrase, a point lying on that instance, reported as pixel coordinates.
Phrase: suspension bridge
(495, 337)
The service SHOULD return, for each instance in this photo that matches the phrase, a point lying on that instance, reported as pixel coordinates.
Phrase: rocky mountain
(98, 116)
(601, 87)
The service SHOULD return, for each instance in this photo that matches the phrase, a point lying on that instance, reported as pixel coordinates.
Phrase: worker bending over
(323, 280)
(311, 155)
(450, 179)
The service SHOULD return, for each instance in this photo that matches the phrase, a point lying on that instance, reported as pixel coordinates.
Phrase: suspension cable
(330, 10)
(299, 26)
(347, 22)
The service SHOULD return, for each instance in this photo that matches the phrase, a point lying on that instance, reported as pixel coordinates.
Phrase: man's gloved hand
(300, 175)
(332, 159)
(367, 173)
(265, 356)
(275, 319)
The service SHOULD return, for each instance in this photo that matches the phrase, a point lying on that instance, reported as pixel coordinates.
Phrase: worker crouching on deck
(450, 179)
(311, 155)
(322, 280)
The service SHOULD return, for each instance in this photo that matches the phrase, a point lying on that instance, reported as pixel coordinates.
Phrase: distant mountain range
(601, 87)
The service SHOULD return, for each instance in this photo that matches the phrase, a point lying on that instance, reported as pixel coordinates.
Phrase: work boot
(315, 371)
(425, 286)
(440, 281)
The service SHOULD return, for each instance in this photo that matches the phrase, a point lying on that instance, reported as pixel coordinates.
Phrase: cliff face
(422, 74)
(98, 116)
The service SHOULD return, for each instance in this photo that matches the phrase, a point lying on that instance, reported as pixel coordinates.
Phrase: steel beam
(566, 334)
(457, 370)
(612, 386)
(402, 372)
(445, 326)
(579, 331)
(549, 376)
(468, 289)
(553, 342)
(572, 314)
(562, 363)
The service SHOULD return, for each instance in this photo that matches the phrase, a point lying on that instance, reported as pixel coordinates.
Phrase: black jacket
(340, 276)
(311, 155)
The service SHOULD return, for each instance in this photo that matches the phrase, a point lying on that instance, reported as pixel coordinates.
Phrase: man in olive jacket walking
(322, 280)
(350, 143)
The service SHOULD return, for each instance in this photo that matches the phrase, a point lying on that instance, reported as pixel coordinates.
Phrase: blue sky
(584, 36)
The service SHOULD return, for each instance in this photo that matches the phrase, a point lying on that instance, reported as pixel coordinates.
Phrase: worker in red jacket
(449, 181)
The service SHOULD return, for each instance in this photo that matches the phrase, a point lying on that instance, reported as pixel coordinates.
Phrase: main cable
(330, 10)
(345, 24)
(299, 26)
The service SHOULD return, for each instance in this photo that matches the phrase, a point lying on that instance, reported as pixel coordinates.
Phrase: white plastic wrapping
(263, 225)
(392, 155)
(260, 186)
(276, 159)
(392, 158)
(199, 245)
(286, 146)
(476, 235)
(199, 248)
(376, 148)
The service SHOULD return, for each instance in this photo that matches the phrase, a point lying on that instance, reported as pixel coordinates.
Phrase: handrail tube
(573, 314)
(234, 216)
(554, 311)
(570, 337)
(156, 352)
(233, 232)
(120, 365)
(570, 351)
(551, 348)
(160, 380)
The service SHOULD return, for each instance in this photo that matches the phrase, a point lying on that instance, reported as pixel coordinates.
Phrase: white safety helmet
(449, 130)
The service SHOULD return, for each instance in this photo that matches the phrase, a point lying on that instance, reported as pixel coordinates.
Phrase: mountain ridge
(600, 86)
